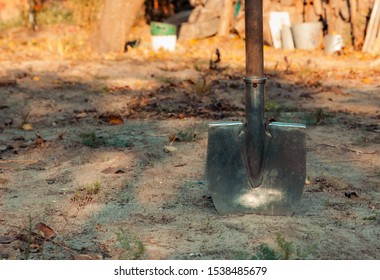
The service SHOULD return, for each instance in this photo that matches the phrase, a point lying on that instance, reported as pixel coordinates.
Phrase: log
(376, 46)
(225, 18)
(318, 7)
(354, 24)
(372, 27)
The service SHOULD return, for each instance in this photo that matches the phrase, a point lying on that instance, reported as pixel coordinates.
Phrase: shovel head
(283, 173)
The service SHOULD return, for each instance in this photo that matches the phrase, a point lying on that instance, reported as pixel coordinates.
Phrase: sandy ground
(82, 150)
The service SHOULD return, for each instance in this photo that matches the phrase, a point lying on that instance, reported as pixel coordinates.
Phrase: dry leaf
(39, 141)
(170, 149)
(44, 231)
(367, 80)
(115, 120)
(27, 127)
(114, 170)
(81, 115)
(36, 78)
(307, 182)
(7, 240)
(172, 137)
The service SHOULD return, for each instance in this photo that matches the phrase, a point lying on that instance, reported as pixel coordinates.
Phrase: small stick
(346, 148)
(19, 161)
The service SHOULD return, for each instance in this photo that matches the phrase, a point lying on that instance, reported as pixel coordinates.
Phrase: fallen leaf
(81, 115)
(367, 80)
(44, 231)
(27, 127)
(114, 170)
(36, 78)
(170, 149)
(307, 182)
(181, 116)
(39, 141)
(7, 240)
(114, 120)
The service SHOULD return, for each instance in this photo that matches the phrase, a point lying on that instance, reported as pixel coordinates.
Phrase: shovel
(254, 167)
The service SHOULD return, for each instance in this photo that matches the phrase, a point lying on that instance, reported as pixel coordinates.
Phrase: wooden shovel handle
(254, 38)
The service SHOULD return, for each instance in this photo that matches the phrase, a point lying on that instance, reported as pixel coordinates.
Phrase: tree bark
(116, 20)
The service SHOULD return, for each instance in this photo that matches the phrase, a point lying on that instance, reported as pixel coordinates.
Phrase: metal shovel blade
(283, 173)
(252, 168)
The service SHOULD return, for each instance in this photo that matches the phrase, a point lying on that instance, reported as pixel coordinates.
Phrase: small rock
(50, 181)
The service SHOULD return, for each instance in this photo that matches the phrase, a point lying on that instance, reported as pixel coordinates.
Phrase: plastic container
(308, 35)
(160, 28)
(332, 43)
(163, 36)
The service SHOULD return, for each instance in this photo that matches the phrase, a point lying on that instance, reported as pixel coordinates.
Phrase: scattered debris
(350, 194)
(133, 44)
(50, 181)
(370, 218)
(116, 120)
(44, 231)
(27, 127)
(7, 82)
(8, 122)
(114, 170)
(7, 240)
(170, 149)
(214, 61)
(18, 138)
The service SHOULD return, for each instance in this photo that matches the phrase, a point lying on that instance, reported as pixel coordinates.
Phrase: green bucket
(159, 28)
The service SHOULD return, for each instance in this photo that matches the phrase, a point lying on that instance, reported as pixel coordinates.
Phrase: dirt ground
(84, 172)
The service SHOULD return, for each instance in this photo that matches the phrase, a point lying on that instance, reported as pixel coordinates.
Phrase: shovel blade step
(284, 170)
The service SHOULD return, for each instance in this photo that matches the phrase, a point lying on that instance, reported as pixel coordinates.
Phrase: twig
(346, 148)
(19, 161)
(64, 247)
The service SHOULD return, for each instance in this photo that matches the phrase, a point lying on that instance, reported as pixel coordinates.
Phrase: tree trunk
(116, 20)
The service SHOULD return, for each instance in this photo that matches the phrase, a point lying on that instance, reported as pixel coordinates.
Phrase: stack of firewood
(348, 18)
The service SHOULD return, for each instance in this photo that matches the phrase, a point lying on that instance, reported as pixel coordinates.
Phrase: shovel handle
(254, 38)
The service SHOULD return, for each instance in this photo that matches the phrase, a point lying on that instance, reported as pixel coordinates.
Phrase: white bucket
(287, 38)
(308, 35)
(333, 43)
(165, 42)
